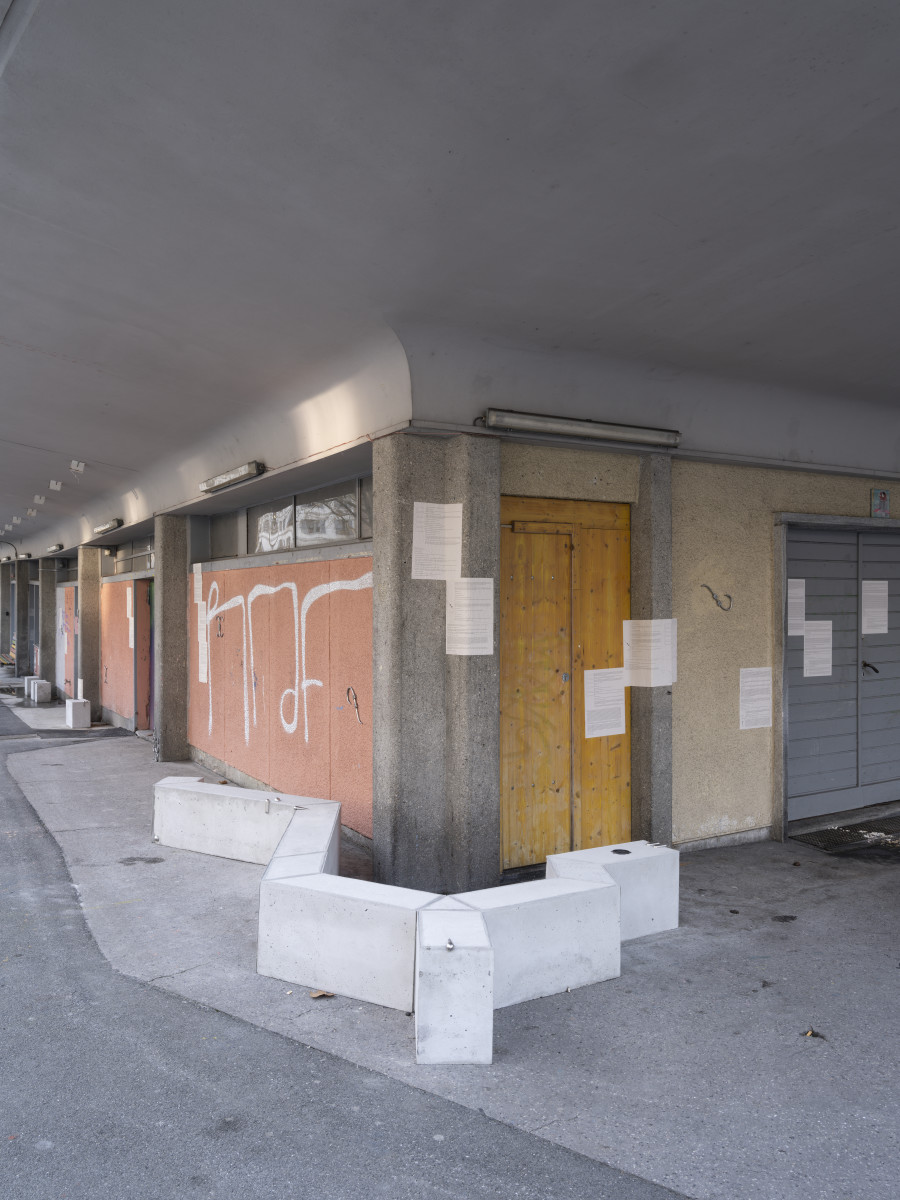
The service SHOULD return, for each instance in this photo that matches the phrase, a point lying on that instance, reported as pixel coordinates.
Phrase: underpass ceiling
(200, 200)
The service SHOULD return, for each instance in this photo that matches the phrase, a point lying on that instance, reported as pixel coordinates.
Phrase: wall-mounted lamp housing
(605, 431)
(54, 549)
(24, 556)
(6, 558)
(108, 526)
(249, 470)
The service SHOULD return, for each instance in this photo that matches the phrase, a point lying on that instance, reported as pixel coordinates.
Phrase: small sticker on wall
(756, 697)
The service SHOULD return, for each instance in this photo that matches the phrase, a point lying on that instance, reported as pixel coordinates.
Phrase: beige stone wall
(568, 474)
(724, 535)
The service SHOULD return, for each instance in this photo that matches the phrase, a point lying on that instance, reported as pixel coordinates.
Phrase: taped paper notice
(470, 616)
(131, 633)
(128, 602)
(756, 697)
(80, 695)
(604, 702)
(651, 653)
(796, 607)
(817, 648)
(203, 643)
(198, 583)
(874, 606)
(437, 541)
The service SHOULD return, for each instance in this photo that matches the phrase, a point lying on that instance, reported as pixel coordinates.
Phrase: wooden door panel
(601, 601)
(535, 707)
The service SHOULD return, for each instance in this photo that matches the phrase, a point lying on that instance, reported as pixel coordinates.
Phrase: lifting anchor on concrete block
(716, 598)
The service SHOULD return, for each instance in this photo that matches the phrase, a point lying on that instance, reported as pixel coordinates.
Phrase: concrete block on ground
(454, 989)
(313, 831)
(41, 691)
(647, 876)
(549, 935)
(346, 936)
(27, 681)
(78, 714)
(227, 821)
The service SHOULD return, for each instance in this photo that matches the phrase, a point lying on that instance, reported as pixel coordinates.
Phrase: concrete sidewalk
(691, 1070)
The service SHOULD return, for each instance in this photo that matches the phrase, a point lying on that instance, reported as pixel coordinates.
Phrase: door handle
(870, 667)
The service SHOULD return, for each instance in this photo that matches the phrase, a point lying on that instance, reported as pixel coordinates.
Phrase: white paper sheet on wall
(437, 541)
(80, 695)
(756, 697)
(651, 653)
(128, 602)
(604, 702)
(131, 633)
(796, 607)
(817, 648)
(874, 606)
(470, 616)
(198, 583)
(203, 643)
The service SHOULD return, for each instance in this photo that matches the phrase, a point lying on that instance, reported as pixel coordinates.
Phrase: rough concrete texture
(5, 611)
(47, 602)
(651, 599)
(23, 647)
(436, 785)
(724, 535)
(691, 1070)
(170, 665)
(566, 474)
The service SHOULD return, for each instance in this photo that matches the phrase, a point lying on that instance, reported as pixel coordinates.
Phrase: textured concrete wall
(47, 601)
(170, 667)
(568, 474)
(724, 535)
(23, 644)
(285, 645)
(5, 611)
(87, 667)
(437, 773)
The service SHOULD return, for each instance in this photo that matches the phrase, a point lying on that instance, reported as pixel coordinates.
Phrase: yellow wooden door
(565, 590)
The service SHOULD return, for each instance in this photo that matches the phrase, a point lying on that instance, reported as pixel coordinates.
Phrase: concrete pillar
(170, 678)
(651, 599)
(5, 609)
(23, 647)
(47, 601)
(87, 667)
(436, 721)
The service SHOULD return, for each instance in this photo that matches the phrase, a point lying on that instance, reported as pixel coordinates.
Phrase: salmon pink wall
(69, 626)
(116, 656)
(285, 643)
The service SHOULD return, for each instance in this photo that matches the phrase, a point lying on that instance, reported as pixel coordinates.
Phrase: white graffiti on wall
(291, 696)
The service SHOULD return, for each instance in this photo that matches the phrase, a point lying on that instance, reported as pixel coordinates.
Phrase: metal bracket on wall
(716, 598)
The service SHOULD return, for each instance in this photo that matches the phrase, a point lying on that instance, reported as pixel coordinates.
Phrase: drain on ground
(883, 834)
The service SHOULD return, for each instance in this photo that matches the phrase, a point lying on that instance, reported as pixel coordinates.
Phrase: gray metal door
(843, 729)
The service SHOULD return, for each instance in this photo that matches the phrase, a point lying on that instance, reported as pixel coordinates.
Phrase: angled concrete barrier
(41, 691)
(341, 935)
(78, 714)
(549, 935)
(230, 822)
(454, 992)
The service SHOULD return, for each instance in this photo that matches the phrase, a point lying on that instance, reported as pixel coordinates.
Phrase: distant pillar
(23, 647)
(436, 718)
(651, 599)
(170, 667)
(5, 603)
(47, 601)
(87, 668)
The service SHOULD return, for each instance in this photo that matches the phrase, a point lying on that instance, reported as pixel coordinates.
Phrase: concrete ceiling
(198, 200)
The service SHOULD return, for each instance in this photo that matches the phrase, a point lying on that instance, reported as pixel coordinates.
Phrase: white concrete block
(313, 830)
(346, 936)
(646, 874)
(227, 821)
(549, 934)
(41, 691)
(27, 681)
(454, 992)
(78, 714)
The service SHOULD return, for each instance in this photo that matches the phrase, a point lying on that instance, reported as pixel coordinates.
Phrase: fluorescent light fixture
(54, 549)
(24, 556)
(108, 526)
(249, 470)
(519, 422)
(55, 485)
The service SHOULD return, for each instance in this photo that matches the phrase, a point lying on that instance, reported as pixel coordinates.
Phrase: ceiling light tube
(249, 470)
(495, 418)
(108, 526)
